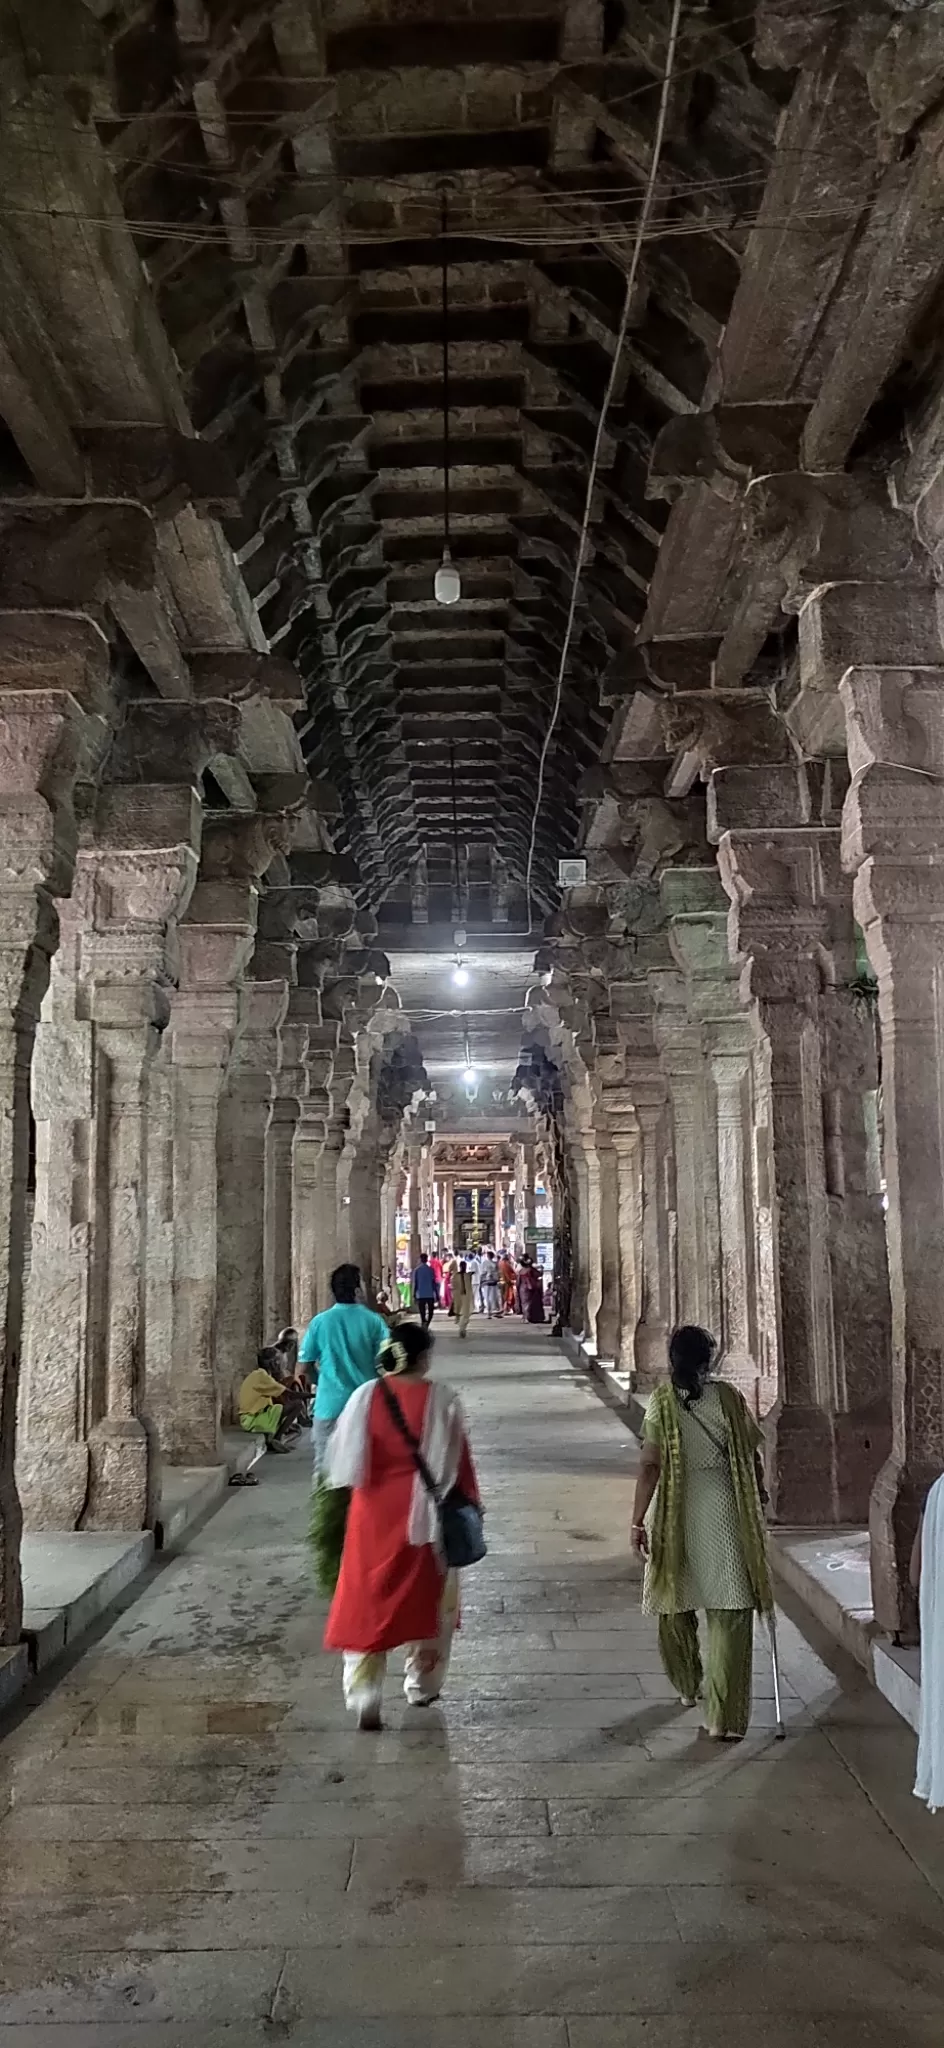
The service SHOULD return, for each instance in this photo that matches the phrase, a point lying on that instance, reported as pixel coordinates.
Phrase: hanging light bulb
(447, 588)
(460, 975)
(470, 1077)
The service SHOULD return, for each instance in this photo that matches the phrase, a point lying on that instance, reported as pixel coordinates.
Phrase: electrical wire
(201, 236)
(598, 444)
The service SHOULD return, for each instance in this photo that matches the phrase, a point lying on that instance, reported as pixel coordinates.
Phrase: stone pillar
(244, 1111)
(652, 1329)
(328, 1223)
(40, 731)
(280, 1139)
(520, 1239)
(427, 1219)
(367, 1173)
(215, 945)
(731, 1071)
(530, 1208)
(791, 924)
(893, 845)
(499, 1199)
(52, 1421)
(580, 1237)
(626, 1140)
(697, 934)
(416, 1242)
(87, 1451)
(683, 1061)
(309, 1271)
(608, 1324)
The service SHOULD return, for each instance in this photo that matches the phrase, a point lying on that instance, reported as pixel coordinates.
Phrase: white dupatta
(929, 1783)
(441, 1445)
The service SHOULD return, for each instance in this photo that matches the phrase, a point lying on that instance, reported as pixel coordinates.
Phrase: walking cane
(781, 1735)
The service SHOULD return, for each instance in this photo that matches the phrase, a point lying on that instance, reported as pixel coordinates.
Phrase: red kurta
(389, 1590)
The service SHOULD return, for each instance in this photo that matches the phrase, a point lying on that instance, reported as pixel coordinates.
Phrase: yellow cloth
(258, 1391)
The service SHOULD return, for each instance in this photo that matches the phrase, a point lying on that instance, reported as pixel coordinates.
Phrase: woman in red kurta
(394, 1588)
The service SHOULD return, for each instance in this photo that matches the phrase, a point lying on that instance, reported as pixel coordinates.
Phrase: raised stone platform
(829, 1570)
(70, 1579)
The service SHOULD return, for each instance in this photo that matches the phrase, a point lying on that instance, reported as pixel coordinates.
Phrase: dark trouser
(295, 1412)
(426, 1311)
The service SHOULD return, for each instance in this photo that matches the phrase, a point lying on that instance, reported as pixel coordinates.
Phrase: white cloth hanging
(441, 1445)
(929, 1783)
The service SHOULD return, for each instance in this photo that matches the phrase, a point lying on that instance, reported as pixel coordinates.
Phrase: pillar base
(651, 1348)
(190, 1436)
(801, 1466)
(897, 1499)
(124, 1466)
(863, 1446)
(53, 1484)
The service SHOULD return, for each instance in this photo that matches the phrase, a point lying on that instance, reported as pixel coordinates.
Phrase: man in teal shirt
(343, 1343)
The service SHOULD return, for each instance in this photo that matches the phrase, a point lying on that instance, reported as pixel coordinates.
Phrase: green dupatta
(666, 1529)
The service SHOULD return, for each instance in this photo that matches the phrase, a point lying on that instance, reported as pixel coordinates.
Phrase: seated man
(267, 1406)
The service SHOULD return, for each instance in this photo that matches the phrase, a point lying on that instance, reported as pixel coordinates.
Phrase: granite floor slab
(197, 1851)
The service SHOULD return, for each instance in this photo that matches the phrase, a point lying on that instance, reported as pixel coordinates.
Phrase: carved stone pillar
(215, 945)
(626, 1141)
(40, 732)
(245, 1107)
(683, 1061)
(652, 1329)
(893, 844)
(791, 923)
(608, 1327)
(697, 934)
(580, 1236)
(416, 1244)
(366, 1181)
(308, 1264)
(280, 1138)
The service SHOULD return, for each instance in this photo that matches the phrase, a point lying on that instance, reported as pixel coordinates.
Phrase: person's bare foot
(369, 1720)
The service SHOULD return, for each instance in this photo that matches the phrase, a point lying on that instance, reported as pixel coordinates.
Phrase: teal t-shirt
(344, 1342)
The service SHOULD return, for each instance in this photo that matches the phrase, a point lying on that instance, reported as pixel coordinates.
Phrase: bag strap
(400, 1423)
(721, 1448)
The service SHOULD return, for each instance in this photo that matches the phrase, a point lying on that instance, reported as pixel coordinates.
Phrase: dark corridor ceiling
(284, 166)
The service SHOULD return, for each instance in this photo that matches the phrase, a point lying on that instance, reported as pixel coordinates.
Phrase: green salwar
(725, 1682)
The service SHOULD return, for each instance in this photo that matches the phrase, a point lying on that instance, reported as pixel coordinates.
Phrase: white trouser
(426, 1663)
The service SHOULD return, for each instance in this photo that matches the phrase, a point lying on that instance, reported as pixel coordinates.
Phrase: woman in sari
(698, 1521)
(394, 1588)
(507, 1283)
(531, 1291)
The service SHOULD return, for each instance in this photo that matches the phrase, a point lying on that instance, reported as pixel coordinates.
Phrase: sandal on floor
(243, 1479)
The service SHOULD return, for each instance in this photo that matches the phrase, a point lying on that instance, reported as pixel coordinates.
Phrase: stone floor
(197, 1852)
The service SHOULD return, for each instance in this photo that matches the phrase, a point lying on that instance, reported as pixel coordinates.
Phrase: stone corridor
(197, 1852)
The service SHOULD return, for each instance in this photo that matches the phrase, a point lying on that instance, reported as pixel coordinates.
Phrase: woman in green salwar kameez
(698, 1520)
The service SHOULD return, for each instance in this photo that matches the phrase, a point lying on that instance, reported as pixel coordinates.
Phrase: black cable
(445, 317)
(455, 822)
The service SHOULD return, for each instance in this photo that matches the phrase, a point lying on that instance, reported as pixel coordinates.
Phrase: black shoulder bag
(460, 1520)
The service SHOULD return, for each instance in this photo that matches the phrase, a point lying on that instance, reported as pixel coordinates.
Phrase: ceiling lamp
(470, 1077)
(447, 587)
(460, 975)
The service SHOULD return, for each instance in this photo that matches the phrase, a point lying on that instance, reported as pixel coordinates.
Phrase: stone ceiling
(284, 169)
